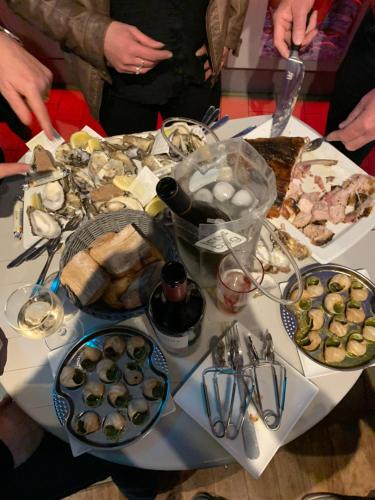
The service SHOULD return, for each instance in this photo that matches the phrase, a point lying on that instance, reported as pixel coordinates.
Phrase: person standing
(351, 117)
(134, 58)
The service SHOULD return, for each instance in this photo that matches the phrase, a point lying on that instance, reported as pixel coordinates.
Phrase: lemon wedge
(93, 144)
(155, 206)
(79, 139)
(123, 181)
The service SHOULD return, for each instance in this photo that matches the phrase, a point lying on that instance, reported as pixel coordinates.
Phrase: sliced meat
(300, 170)
(337, 199)
(301, 220)
(319, 182)
(289, 208)
(363, 210)
(360, 183)
(320, 211)
(318, 234)
(295, 190)
(307, 201)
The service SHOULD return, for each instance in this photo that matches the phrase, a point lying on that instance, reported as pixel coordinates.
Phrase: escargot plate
(81, 392)
(343, 331)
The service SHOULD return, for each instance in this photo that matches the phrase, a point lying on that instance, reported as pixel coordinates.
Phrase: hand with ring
(141, 53)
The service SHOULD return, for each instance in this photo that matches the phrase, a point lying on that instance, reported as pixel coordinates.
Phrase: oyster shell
(53, 196)
(43, 224)
(143, 143)
(82, 180)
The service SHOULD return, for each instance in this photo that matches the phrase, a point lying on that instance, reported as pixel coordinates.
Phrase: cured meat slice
(318, 234)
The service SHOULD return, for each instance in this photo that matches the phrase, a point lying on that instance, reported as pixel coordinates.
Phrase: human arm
(8, 169)
(19, 433)
(25, 83)
(359, 127)
(289, 20)
(69, 22)
(92, 34)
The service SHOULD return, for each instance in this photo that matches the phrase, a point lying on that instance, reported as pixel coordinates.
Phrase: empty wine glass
(233, 286)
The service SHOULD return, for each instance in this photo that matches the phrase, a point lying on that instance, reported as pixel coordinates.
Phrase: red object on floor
(69, 112)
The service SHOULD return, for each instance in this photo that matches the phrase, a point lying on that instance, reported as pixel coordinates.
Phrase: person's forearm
(68, 22)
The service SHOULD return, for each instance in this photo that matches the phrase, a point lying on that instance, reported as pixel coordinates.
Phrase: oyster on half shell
(53, 196)
(43, 224)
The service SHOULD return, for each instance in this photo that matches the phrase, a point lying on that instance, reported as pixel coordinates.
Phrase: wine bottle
(195, 212)
(176, 309)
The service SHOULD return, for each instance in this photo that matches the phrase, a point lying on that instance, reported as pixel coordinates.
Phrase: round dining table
(177, 442)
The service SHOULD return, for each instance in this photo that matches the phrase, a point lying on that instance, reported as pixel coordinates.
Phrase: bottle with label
(176, 309)
(195, 212)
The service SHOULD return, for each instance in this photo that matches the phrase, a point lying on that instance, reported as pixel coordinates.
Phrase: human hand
(19, 432)
(202, 51)
(25, 83)
(359, 127)
(8, 169)
(289, 21)
(129, 50)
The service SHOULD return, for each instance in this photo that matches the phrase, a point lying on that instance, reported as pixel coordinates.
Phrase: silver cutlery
(220, 122)
(52, 247)
(315, 144)
(36, 249)
(245, 131)
(249, 436)
(210, 115)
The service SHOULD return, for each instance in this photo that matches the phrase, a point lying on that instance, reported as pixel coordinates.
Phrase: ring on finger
(138, 70)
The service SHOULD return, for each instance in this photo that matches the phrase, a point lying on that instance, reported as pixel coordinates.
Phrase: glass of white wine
(34, 311)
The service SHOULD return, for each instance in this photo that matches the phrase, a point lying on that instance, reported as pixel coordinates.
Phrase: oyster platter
(88, 175)
(111, 387)
(334, 321)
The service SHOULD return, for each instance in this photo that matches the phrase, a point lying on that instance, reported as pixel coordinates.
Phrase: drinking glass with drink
(36, 312)
(233, 285)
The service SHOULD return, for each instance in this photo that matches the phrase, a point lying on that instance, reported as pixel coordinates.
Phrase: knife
(294, 73)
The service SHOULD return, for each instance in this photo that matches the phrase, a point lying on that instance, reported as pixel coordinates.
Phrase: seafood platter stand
(180, 439)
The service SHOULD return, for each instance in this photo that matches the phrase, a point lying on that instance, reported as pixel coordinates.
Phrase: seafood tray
(334, 322)
(111, 414)
(101, 175)
(345, 234)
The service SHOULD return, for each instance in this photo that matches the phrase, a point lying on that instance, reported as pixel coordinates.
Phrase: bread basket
(152, 229)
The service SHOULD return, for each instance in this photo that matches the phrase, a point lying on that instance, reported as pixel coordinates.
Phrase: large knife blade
(294, 74)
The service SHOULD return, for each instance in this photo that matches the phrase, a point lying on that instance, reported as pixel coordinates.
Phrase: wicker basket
(82, 238)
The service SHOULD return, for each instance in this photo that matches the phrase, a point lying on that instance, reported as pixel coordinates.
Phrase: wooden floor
(337, 455)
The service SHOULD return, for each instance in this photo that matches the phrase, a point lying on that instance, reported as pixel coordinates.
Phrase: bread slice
(85, 278)
(115, 289)
(126, 251)
(103, 239)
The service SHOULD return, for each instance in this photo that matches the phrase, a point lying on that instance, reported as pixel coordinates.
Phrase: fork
(247, 426)
(52, 247)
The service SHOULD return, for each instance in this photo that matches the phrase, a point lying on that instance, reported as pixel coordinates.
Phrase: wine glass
(233, 286)
(36, 312)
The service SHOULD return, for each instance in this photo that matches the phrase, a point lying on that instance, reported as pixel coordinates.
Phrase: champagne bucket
(232, 176)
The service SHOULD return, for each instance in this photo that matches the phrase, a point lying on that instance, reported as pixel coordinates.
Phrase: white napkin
(312, 369)
(78, 448)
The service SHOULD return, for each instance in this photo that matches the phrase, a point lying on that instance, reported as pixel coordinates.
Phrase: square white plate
(346, 235)
(299, 394)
